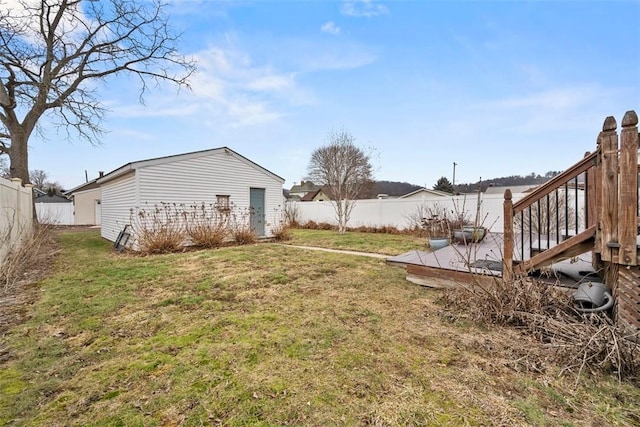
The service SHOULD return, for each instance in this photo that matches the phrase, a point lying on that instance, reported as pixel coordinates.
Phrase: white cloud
(228, 88)
(366, 8)
(330, 28)
(553, 99)
(236, 86)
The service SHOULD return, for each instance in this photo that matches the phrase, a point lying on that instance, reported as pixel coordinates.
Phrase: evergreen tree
(444, 185)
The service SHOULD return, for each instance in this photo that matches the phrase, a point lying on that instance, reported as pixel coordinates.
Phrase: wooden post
(628, 210)
(507, 256)
(608, 141)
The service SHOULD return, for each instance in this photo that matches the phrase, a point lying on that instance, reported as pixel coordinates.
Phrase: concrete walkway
(339, 251)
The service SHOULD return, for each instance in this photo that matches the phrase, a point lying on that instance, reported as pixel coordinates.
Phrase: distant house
(515, 189)
(52, 208)
(297, 192)
(315, 196)
(218, 176)
(423, 193)
(86, 203)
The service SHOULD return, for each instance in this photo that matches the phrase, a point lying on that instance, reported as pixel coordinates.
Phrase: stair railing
(596, 197)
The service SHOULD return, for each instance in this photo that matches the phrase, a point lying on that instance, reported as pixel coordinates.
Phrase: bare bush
(281, 230)
(578, 342)
(240, 227)
(292, 214)
(312, 225)
(206, 225)
(22, 256)
(159, 229)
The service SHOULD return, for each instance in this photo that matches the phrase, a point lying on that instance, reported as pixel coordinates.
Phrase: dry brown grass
(273, 335)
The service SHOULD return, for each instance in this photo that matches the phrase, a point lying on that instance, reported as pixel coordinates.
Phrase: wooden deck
(475, 258)
(481, 262)
(456, 262)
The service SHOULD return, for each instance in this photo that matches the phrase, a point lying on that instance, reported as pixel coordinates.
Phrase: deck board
(458, 257)
(455, 262)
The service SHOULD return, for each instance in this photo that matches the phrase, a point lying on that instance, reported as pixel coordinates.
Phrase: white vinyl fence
(16, 214)
(402, 213)
(55, 213)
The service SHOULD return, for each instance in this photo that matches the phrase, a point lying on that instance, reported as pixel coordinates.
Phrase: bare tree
(4, 168)
(345, 172)
(51, 51)
(549, 216)
(38, 178)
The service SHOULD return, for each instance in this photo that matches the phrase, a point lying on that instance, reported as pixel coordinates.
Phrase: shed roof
(84, 187)
(176, 157)
(427, 192)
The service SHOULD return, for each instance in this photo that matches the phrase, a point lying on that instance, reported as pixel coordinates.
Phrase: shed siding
(84, 203)
(118, 197)
(197, 180)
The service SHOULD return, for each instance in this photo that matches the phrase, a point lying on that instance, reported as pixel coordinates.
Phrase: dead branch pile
(578, 343)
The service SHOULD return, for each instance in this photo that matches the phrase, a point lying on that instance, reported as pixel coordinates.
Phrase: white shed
(197, 177)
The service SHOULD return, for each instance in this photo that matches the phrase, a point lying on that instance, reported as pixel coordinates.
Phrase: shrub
(281, 231)
(206, 226)
(21, 258)
(244, 236)
(292, 214)
(240, 226)
(160, 229)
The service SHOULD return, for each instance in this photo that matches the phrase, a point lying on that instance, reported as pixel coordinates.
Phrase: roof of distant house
(515, 189)
(311, 195)
(304, 187)
(51, 198)
(427, 192)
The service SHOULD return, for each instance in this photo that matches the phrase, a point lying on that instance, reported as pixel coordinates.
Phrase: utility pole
(454, 175)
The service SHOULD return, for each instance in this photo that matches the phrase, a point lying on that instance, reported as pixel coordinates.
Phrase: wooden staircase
(591, 207)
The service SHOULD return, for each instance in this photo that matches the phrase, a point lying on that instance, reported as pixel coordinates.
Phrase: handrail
(556, 182)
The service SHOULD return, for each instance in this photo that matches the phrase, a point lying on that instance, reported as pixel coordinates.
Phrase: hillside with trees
(397, 188)
(506, 181)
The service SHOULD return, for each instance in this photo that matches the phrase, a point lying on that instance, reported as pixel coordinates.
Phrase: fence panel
(55, 213)
(404, 213)
(16, 214)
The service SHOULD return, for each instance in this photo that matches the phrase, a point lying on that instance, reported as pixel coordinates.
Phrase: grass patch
(269, 335)
(388, 244)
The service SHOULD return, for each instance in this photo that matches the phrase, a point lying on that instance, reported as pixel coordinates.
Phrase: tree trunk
(18, 155)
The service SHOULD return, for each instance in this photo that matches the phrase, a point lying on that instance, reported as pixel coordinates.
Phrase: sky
(500, 88)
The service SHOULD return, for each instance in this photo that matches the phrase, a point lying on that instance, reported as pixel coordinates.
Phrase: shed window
(222, 203)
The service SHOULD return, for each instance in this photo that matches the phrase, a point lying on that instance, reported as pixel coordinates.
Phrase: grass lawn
(388, 244)
(273, 335)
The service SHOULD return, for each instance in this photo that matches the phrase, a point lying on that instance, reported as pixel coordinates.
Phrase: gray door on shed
(256, 206)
